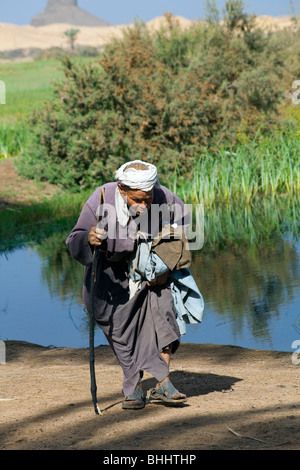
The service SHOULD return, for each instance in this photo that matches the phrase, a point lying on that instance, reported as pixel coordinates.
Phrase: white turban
(144, 180)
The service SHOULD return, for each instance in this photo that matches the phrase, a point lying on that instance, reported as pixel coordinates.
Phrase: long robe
(138, 329)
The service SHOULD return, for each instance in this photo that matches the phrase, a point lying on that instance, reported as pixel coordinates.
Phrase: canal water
(252, 296)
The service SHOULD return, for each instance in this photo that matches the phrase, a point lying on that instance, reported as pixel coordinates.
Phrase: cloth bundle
(145, 264)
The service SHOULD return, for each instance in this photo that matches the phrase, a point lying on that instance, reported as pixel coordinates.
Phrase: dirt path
(238, 399)
(15, 190)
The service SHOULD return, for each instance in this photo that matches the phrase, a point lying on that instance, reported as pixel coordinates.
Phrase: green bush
(164, 97)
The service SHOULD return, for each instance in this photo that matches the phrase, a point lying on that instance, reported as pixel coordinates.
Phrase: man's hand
(96, 236)
(160, 280)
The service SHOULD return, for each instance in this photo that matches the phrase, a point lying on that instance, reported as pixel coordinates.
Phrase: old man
(140, 324)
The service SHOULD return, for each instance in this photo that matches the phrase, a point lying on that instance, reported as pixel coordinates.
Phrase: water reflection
(61, 273)
(227, 225)
(251, 290)
(40, 298)
(255, 288)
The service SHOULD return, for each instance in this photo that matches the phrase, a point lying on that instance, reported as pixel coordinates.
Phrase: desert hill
(15, 37)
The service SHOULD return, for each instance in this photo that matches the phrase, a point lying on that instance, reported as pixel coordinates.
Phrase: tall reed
(13, 138)
(269, 167)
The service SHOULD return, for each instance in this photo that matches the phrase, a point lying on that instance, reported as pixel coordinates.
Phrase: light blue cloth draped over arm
(147, 265)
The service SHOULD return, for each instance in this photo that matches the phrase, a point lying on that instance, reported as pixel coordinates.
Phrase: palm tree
(72, 36)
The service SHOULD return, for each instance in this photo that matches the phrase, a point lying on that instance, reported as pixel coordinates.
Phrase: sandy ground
(237, 399)
(14, 37)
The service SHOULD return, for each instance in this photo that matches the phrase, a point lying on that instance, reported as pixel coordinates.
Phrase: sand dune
(14, 37)
(273, 23)
(43, 37)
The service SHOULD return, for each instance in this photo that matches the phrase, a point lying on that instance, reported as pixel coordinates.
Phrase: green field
(28, 86)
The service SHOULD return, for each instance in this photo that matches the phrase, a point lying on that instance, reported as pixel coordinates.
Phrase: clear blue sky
(124, 11)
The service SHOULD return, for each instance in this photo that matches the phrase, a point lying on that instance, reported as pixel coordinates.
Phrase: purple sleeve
(179, 212)
(77, 241)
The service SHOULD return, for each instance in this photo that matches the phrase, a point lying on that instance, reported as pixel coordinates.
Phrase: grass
(13, 138)
(38, 221)
(28, 85)
(266, 168)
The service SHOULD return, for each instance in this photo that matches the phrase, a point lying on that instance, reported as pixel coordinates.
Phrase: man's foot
(168, 393)
(136, 401)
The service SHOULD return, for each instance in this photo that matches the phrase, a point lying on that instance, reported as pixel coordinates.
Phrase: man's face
(138, 201)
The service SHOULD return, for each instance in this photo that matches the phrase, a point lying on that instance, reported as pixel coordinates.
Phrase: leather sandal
(136, 401)
(168, 393)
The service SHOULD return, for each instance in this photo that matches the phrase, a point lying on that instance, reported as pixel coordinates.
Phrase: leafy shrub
(164, 97)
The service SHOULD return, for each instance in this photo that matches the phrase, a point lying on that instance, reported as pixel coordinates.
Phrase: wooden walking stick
(97, 261)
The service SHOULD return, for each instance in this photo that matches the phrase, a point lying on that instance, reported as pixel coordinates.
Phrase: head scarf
(144, 180)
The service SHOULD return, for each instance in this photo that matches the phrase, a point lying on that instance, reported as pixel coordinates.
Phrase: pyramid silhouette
(66, 11)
